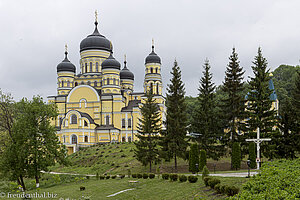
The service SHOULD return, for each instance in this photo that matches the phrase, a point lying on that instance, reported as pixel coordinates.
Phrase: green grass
(147, 189)
(119, 158)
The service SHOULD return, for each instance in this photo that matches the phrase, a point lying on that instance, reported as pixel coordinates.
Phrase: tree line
(221, 118)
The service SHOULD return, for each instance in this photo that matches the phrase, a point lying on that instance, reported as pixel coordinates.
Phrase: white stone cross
(257, 141)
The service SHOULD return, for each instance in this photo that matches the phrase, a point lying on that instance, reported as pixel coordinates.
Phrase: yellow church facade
(99, 105)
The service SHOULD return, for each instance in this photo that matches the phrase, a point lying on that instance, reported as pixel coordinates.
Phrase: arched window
(123, 123)
(86, 138)
(95, 83)
(82, 83)
(85, 67)
(156, 70)
(89, 82)
(82, 67)
(97, 67)
(73, 119)
(64, 139)
(76, 84)
(74, 139)
(129, 123)
(151, 70)
(85, 123)
(100, 83)
(157, 88)
(107, 81)
(62, 83)
(107, 119)
(114, 81)
(129, 139)
(91, 67)
(123, 139)
(68, 83)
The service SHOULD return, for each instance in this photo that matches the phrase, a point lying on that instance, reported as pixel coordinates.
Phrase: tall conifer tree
(149, 129)
(176, 119)
(205, 118)
(259, 105)
(234, 102)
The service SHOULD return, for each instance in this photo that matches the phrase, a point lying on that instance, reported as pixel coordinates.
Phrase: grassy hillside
(119, 158)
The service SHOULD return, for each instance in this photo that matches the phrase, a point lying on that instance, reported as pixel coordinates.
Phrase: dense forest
(283, 77)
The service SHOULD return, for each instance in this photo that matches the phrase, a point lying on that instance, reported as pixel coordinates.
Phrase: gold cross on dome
(96, 15)
(152, 42)
(66, 47)
(124, 57)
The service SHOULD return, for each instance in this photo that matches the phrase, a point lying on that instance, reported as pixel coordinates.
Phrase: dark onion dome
(152, 57)
(66, 65)
(110, 63)
(125, 73)
(95, 41)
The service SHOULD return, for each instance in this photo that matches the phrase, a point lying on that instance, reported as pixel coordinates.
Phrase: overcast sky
(34, 32)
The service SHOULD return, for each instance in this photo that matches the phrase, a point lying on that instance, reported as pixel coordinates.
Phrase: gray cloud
(33, 34)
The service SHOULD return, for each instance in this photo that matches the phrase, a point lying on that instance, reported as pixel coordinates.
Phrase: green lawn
(147, 189)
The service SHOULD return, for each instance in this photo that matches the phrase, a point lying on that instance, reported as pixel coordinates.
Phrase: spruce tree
(236, 156)
(252, 155)
(234, 101)
(193, 158)
(149, 128)
(176, 119)
(206, 118)
(259, 112)
(296, 100)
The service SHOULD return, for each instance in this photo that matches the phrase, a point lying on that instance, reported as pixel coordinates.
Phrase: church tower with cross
(99, 104)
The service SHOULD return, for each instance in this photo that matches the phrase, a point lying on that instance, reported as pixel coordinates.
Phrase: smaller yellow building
(99, 105)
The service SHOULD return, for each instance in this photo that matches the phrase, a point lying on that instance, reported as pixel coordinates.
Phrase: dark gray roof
(66, 65)
(106, 127)
(153, 57)
(131, 105)
(88, 117)
(110, 62)
(125, 73)
(95, 41)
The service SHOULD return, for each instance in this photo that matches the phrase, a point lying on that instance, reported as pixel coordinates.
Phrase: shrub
(134, 175)
(218, 188)
(214, 181)
(231, 190)
(151, 176)
(114, 176)
(145, 176)
(193, 179)
(128, 172)
(97, 176)
(206, 179)
(122, 176)
(236, 156)
(102, 177)
(223, 189)
(82, 188)
(202, 163)
(165, 176)
(173, 177)
(193, 158)
(158, 172)
(182, 178)
(205, 172)
(87, 177)
(139, 175)
(252, 155)
(107, 177)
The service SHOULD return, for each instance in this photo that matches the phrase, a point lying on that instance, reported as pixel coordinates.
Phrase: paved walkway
(230, 174)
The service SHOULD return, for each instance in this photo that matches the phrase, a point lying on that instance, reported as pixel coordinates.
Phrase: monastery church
(99, 105)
